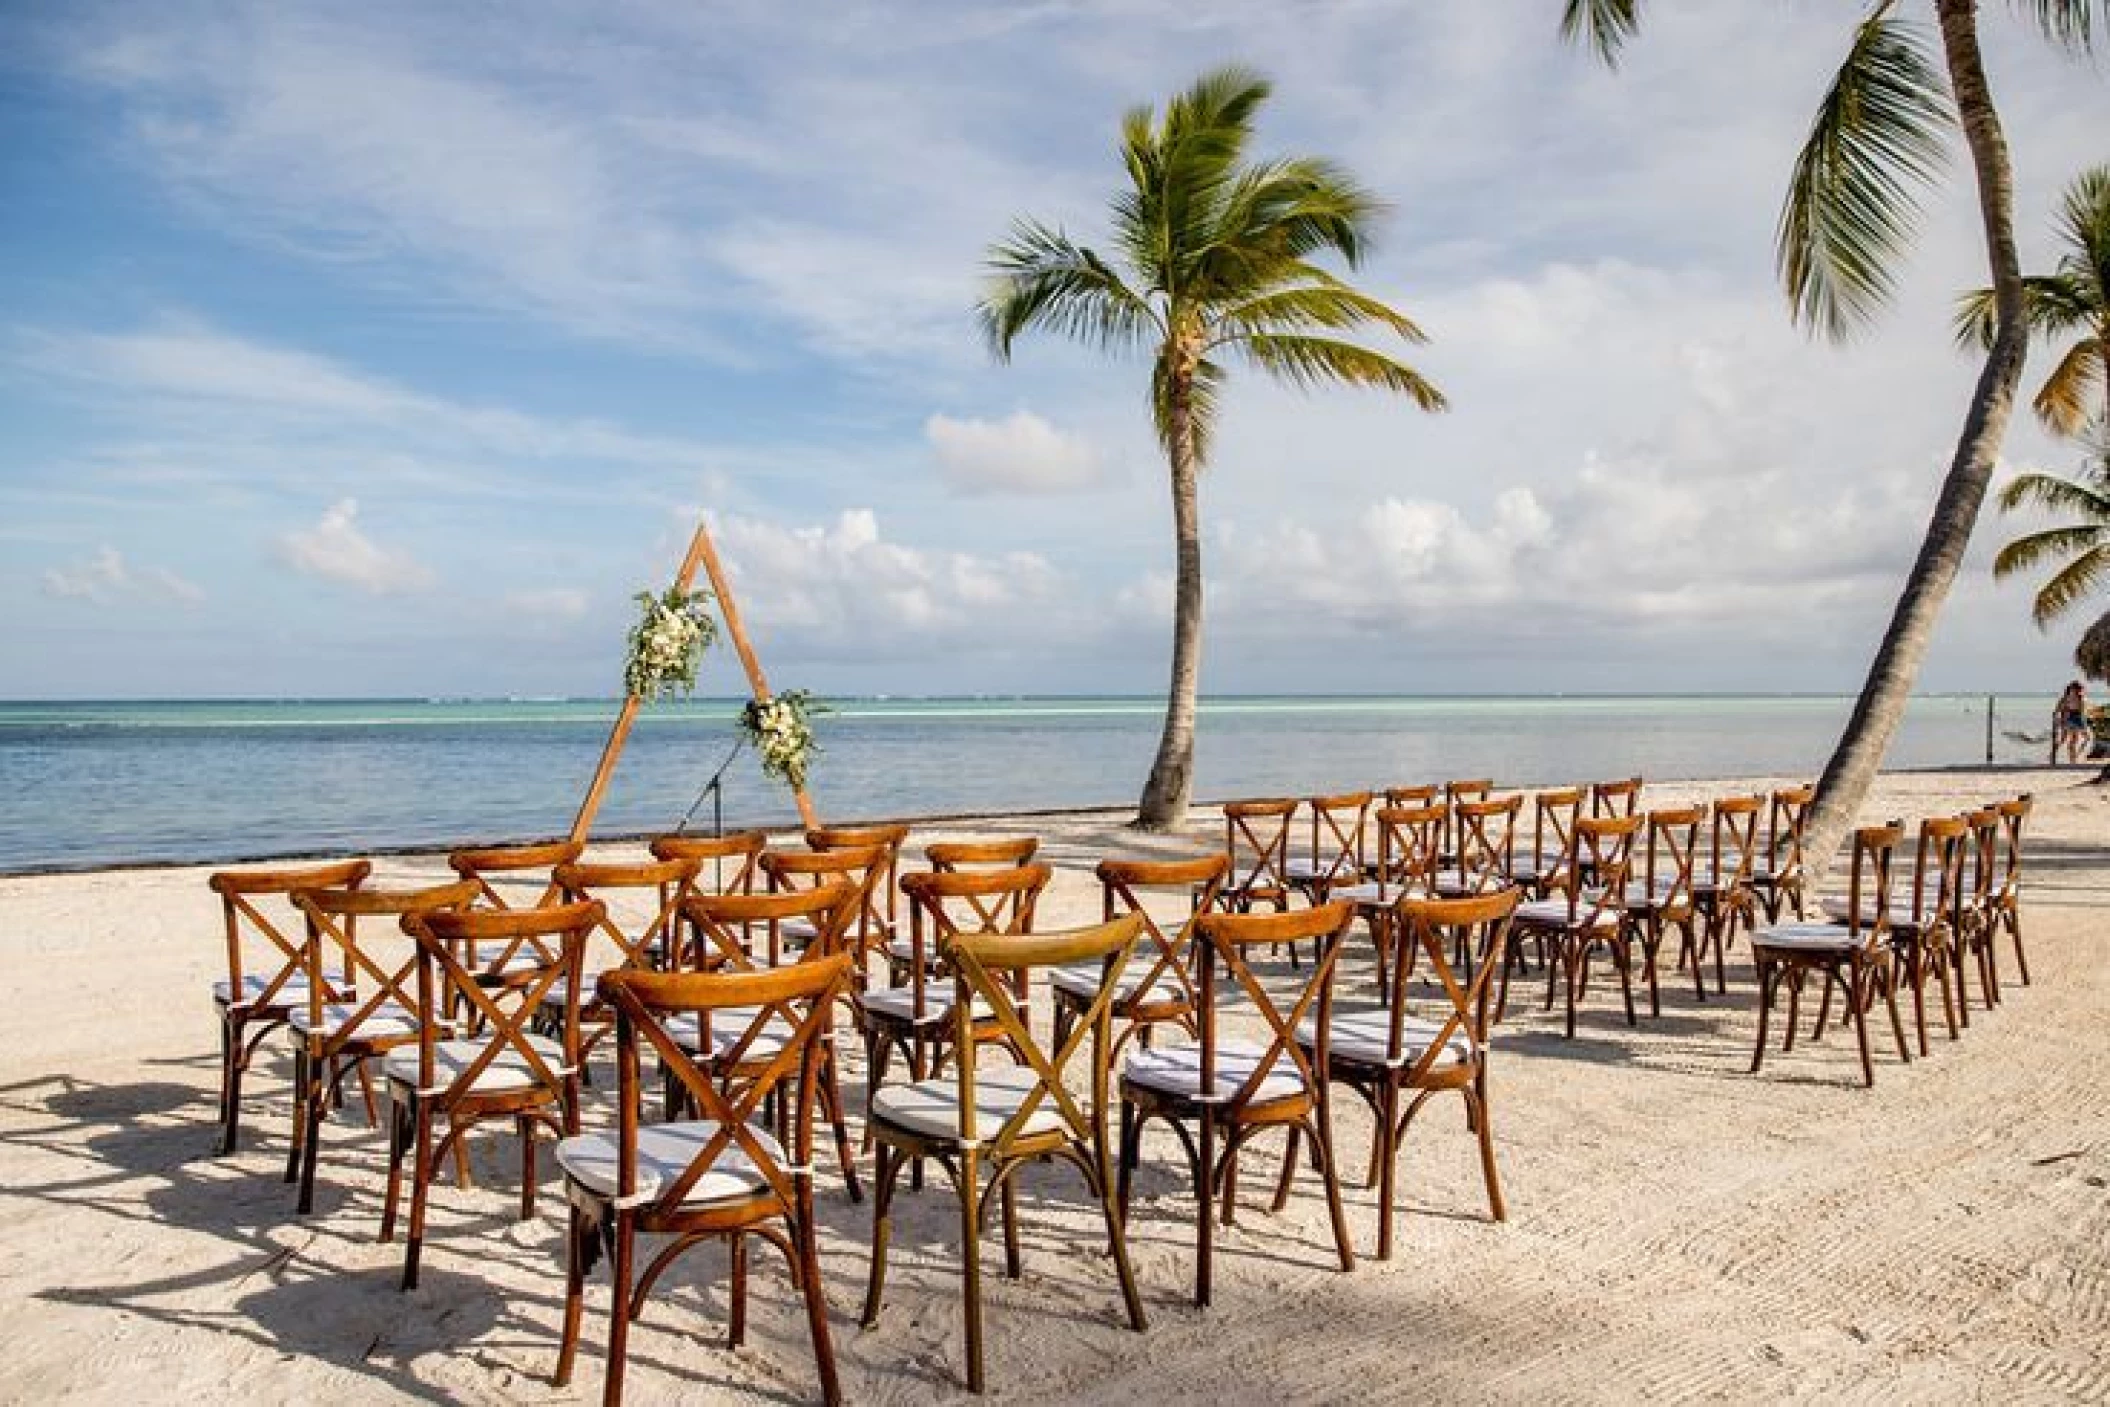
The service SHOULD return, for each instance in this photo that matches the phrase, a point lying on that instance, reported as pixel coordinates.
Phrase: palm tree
(1212, 259)
(1851, 205)
(2083, 545)
(2074, 299)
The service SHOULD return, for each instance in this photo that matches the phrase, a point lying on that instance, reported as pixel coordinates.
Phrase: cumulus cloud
(107, 576)
(1021, 454)
(336, 550)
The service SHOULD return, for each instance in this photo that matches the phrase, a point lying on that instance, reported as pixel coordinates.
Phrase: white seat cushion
(664, 1152)
(904, 950)
(900, 1002)
(1304, 869)
(1082, 981)
(932, 1107)
(386, 1021)
(1362, 1036)
(728, 1025)
(1177, 1070)
(1453, 883)
(510, 1071)
(1376, 896)
(797, 932)
(1553, 913)
(1839, 910)
(1808, 937)
(254, 986)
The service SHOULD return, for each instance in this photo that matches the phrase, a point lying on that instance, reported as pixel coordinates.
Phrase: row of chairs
(489, 1015)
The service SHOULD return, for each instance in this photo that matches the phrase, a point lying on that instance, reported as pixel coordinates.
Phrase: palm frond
(2078, 580)
(1040, 278)
(2079, 497)
(1851, 207)
(2067, 400)
(2070, 24)
(1306, 362)
(1203, 399)
(1605, 25)
(1325, 305)
(2031, 549)
(2053, 304)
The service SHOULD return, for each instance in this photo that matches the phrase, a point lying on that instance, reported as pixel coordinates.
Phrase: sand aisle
(1678, 1227)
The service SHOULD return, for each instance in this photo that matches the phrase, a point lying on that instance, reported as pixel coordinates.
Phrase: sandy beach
(1678, 1228)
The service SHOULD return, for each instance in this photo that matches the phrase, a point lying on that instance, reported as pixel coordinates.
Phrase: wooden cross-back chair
(632, 934)
(719, 1176)
(1005, 1120)
(265, 980)
(863, 867)
(1619, 797)
(1535, 866)
(1456, 791)
(1484, 837)
(1158, 986)
(745, 933)
(361, 1000)
(914, 1015)
(1661, 893)
(1776, 874)
(881, 918)
(1409, 841)
(507, 1070)
(1580, 918)
(513, 877)
(1854, 956)
(1256, 837)
(1399, 798)
(1721, 885)
(1233, 1090)
(1977, 920)
(945, 855)
(2007, 907)
(1339, 845)
(1923, 929)
(725, 864)
(1385, 1054)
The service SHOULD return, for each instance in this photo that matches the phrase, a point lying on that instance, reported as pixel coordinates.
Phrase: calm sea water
(92, 784)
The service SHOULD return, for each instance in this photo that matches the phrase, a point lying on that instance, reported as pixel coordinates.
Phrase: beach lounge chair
(1854, 956)
(445, 1084)
(997, 1121)
(1383, 1053)
(719, 1176)
(1233, 1090)
(265, 980)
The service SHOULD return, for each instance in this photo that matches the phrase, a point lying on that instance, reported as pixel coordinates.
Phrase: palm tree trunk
(1171, 783)
(1852, 769)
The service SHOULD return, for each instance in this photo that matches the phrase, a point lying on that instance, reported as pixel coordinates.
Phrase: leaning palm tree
(2073, 299)
(2081, 545)
(1879, 134)
(1212, 259)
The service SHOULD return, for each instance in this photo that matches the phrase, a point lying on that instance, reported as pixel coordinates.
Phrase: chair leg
(1916, 973)
(2012, 921)
(1476, 1099)
(1794, 980)
(884, 1171)
(1385, 1148)
(527, 1167)
(803, 1239)
(1008, 1200)
(1289, 1169)
(1117, 1232)
(398, 1145)
(736, 1277)
(423, 1168)
(1868, 1066)
(574, 1295)
(1205, 1188)
(1897, 1025)
(311, 1147)
(832, 1104)
(231, 1063)
(619, 1309)
(1131, 1153)
(971, 1264)
(298, 1133)
(1323, 1139)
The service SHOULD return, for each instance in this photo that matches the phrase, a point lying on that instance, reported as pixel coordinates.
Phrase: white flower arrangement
(781, 730)
(673, 629)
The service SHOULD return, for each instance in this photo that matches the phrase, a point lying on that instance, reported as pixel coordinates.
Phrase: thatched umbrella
(2093, 653)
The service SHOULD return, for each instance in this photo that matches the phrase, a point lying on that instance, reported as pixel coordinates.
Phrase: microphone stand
(715, 790)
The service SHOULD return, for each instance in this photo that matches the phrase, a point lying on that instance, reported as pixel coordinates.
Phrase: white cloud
(1021, 454)
(336, 550)
(554, 603)
(107, 575)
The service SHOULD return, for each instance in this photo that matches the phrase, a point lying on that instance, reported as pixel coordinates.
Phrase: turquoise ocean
(91, 784)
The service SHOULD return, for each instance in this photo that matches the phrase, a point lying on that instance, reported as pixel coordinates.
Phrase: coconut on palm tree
(1878, 137)
(1211, 261)
(2074, 299)
(2080, 545)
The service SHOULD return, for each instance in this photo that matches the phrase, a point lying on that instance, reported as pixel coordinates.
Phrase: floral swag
(673, 630)
(780, 729)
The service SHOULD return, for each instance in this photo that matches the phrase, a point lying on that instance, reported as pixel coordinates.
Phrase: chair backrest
(2013, 816)
(881, 918)
(1225, 938)
(1256, 837)
(1938, 861)
(333, 946)
(745, 932)
(638, 941)
(863, 866)
(1477, 924)
(1402, 797)
(263, 959)
(1732, 844)
(501, 1008)
(1125, 888)
(1868, 884)
(1340, 827)
(1485, 836)
(992, 967)
(1785, 815)
(726, 864)
(525, 867)
(1409, 840)
(1983, 843)
(944, 905)
(1669, 854)
(1619, 797)
(981, 854)
(1602, 853)
(801, 997)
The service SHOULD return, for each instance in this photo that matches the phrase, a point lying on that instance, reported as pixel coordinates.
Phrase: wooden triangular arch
(704, 554)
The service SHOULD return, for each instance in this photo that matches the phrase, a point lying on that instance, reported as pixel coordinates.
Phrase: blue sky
(387, 349)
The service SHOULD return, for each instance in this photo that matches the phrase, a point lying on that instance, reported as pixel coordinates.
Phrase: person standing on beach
(2069, 723)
